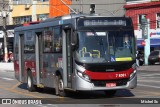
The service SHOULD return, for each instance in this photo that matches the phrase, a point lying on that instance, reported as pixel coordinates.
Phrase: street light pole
(81, 6)
(4, 33)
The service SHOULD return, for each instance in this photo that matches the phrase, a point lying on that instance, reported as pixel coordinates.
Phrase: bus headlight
(133, 74)
(83, 76)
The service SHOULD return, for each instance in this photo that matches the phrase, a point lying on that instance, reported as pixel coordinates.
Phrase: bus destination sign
(104, 23)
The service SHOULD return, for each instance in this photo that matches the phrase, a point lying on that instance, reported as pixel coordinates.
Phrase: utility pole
(146, 36)
(147, 42)
(4, 15)
(81, 6)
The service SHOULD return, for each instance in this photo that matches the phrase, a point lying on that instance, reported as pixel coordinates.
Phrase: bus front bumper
(83, 85)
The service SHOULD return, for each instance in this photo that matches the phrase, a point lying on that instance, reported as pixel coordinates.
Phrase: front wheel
(110, 93)
(60, 87)
(30, 85)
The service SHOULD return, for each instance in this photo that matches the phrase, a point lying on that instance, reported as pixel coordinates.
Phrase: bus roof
(57, 21)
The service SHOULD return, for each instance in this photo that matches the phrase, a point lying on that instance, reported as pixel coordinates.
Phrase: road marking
(10, 79)
(147, 92)
(154, 74)
(22, 93)
(40, 105)
(53, 105)
(27, 94)
(16, 85)
(148, 80)
(148, 86)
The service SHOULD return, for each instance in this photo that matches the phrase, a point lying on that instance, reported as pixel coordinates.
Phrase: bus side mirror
(74, 41)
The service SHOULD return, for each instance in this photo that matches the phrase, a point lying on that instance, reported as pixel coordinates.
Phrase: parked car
(154, 57)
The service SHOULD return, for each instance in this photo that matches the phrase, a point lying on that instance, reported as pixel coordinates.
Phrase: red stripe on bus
(109, 75)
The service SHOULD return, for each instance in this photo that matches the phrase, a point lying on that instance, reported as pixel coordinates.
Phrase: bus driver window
(126, 41)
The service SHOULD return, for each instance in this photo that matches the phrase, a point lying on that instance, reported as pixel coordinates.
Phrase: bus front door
(67, 58)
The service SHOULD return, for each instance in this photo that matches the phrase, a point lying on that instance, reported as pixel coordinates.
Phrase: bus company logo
(6, 101)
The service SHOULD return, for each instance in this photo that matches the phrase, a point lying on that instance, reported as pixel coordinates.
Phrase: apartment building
(4, 11)
(23, 11)
(19, 12)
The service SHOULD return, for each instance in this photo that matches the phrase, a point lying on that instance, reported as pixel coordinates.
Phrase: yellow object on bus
(124, 59)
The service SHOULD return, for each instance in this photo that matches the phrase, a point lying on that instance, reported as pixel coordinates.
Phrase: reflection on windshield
(105, 46)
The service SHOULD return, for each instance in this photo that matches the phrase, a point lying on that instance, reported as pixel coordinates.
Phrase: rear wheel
(30, 85)
(110, 93)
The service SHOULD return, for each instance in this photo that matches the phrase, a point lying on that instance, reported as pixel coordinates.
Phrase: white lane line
(148, 80)
(4, 78)
(39, 105)
(46, 105)
(154, 74)
(148, 86)
(53, 105)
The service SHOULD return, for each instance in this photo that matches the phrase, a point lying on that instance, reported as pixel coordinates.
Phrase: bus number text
(121, 75)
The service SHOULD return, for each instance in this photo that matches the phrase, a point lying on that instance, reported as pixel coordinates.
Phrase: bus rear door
(21, 57)
(38, 54)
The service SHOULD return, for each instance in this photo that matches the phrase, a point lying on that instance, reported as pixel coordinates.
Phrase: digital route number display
(104, 22)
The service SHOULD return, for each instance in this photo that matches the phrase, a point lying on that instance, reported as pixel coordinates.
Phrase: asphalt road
(148, 87)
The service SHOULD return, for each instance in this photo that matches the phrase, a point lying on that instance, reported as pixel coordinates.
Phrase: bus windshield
(105, 46)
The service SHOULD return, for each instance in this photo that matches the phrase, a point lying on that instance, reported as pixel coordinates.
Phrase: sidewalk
(149, 68)
(6, 66)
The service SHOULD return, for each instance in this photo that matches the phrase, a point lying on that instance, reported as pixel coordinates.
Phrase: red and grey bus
(77, 52)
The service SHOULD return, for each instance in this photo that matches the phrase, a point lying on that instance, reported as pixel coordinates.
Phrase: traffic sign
(144, 28)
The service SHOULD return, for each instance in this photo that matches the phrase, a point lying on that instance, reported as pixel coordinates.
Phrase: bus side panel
(16, 69)
(51, 63)
(29, 60)
(16, 59)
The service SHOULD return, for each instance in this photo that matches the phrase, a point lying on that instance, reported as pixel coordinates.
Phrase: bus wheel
(30, 85)
(110, 93)
(60, 89)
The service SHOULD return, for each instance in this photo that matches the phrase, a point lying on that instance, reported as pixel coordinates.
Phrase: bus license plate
(110, 84)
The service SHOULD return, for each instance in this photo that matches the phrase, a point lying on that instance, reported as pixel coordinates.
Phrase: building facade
(102, 7)
(4, 11)
(24, 11)
(59, 7)
(20, 12)
(150, 9)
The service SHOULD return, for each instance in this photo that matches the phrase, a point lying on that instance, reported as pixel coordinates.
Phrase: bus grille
(102, 83)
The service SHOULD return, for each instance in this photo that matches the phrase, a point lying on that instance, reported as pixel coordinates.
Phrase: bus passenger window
(57, 38)
(47, 41)
(47, 48)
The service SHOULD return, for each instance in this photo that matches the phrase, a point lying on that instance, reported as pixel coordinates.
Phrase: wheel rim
(29, 81)
(60, 85)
